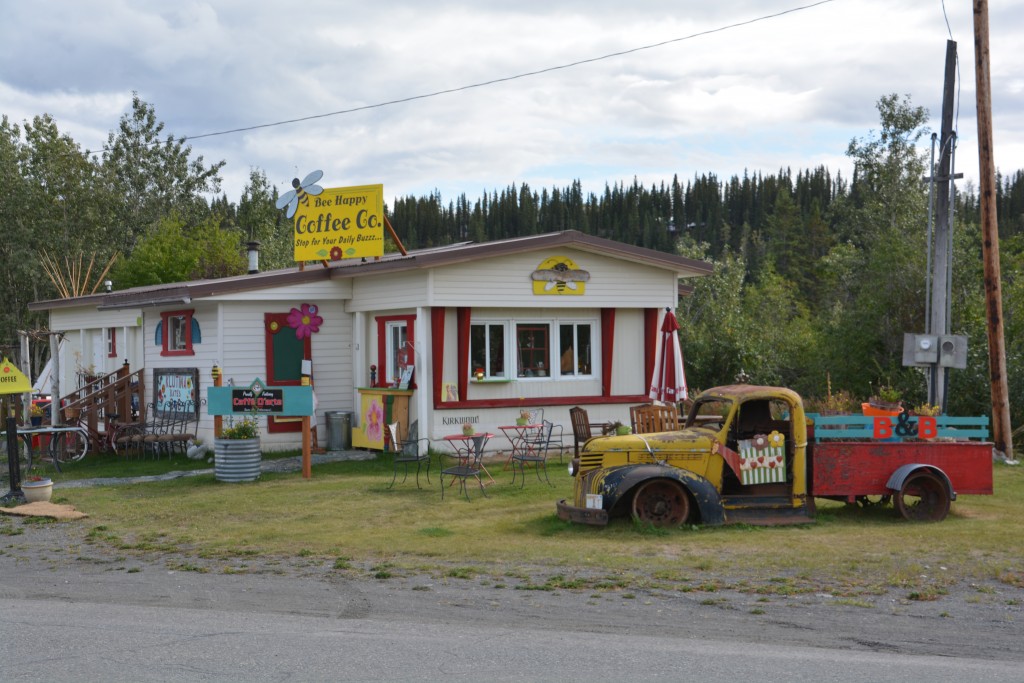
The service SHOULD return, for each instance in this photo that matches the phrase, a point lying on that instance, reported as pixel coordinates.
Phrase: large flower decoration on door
(305, 320)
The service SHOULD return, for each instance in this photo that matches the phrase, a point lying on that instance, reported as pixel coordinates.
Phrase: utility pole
(942, 181)
(1002, 433)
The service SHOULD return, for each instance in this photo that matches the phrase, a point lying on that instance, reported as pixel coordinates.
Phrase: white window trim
(510, 326)
(390, 352)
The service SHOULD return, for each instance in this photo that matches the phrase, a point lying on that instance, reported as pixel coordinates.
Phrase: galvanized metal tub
(236, 460)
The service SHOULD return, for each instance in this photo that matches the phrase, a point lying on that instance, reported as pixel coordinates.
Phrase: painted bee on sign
(559, 277)
(301, 193)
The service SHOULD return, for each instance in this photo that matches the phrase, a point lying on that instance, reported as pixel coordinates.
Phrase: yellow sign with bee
(336, 223)
(559, 275)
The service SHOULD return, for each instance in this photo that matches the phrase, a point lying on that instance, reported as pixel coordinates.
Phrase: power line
(505, 79)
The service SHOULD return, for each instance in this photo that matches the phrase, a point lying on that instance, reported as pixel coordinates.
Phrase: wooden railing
(118, 397)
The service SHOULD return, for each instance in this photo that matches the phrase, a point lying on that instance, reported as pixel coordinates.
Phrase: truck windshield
(709, 412)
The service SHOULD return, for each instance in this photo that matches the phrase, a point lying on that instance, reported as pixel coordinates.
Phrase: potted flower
(886, 403)
(236, 452)
(616, 428)
(467, 429)
(37, 489)
(35, 414)
(524, 418)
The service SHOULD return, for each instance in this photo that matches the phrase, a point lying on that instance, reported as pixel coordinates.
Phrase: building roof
(185, 292)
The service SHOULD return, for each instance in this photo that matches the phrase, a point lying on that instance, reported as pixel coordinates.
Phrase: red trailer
(890, 465)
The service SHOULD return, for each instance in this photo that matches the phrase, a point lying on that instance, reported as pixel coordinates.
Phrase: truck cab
(739, 457)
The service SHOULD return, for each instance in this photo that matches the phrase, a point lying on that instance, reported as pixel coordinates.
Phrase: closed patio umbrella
(668, 384)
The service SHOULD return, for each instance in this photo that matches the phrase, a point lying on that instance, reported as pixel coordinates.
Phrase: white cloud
(789, 91)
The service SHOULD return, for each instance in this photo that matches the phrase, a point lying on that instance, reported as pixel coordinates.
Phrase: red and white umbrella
(668, 384)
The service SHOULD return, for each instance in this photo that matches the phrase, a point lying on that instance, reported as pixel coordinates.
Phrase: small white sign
(595, 501)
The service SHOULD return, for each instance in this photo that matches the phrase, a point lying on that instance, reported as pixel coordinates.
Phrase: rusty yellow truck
(750, 454)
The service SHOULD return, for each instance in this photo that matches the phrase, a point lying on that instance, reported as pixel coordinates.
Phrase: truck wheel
(923, 498)
(661, 503)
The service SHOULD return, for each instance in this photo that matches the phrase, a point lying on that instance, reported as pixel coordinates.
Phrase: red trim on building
(111, 342)
(165, 332)
(607, 349)
(437, 315)
(463, 317)
(650, 342)
(540, 401)
(382, 343)
(281, 425)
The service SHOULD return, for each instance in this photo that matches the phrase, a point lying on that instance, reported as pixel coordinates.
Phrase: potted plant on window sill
(37, 489)
(236, 452)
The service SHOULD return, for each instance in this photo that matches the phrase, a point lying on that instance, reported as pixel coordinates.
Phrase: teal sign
(259, 399)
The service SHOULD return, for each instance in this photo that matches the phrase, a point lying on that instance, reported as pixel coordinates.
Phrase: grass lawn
(346, 514)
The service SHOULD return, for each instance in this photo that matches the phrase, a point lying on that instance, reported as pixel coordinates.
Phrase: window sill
(492, 381)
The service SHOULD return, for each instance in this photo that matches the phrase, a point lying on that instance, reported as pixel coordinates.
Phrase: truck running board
(765, 511)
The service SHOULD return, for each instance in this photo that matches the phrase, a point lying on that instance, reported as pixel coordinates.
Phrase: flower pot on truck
(750, 454)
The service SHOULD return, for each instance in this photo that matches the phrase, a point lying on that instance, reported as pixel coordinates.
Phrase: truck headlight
(574, 467)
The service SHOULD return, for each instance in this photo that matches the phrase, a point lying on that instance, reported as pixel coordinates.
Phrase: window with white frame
(111, 342)
(534, 348)
(487, 349)
(575, 342)
(396, 335)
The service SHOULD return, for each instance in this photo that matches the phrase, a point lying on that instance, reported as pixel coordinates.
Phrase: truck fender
(620, 481)
(902, 473)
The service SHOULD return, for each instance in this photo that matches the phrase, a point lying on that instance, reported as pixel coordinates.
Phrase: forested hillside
(817, 277)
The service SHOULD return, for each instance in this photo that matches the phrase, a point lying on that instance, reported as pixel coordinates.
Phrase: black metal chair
(468, 466)
(407, 451)
(535, 452)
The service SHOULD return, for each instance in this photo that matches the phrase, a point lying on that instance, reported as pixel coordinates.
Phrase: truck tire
(923, 497)
(661, 503)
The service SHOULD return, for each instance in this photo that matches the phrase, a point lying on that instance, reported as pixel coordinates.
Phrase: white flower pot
(37, 491)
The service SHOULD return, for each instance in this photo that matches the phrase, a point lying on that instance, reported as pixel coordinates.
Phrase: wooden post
(307, 460)
(394, 236)
(943, 246)
(218, 420)
(1002, 433)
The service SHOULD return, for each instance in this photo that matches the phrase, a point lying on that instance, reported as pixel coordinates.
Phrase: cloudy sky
(694, 87)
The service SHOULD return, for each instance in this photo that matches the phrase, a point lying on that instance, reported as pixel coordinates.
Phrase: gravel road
(62, 560)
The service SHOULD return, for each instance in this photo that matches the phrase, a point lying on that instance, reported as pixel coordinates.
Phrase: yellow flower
(775, 439)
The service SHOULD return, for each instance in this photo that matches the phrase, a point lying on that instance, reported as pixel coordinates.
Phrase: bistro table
(522, 438)
(65, 443)
(466, 449)
(469, 450)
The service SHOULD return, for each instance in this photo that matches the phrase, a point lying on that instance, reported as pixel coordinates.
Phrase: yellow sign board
(13, 380)
(559, 275)
(340, 222)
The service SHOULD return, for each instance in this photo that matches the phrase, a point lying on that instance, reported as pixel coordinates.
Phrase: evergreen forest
(817, 276)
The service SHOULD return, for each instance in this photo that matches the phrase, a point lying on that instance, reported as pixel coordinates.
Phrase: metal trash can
(339, 430)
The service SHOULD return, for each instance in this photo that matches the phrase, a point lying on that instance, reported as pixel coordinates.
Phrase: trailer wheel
(661, 503)
(923, 498)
